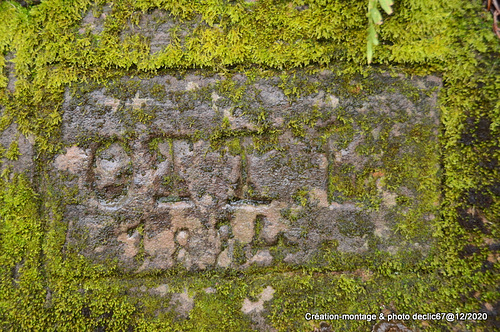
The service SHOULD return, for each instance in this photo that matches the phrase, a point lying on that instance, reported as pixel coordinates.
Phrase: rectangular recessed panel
(231, 171)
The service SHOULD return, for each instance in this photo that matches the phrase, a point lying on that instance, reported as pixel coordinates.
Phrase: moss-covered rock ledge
(237, 166)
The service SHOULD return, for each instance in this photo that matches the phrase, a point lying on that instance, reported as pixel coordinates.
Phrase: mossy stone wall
(88, 120)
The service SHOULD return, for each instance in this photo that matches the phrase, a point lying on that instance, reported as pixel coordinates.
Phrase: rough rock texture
(231, 172)
(255, 309)
(16, 151)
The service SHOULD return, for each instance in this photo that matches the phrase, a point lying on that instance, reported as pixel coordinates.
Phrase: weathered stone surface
(224, 259)
(245, 216)
(16, 151)
(178, 171)
(182, 303)
(160, 248)
(74, 160)
(256, 309)
(131, 243)
(279, 174)
(209, 176)
(261, 258)
(160, 290)
(182, 238)
(265, 295)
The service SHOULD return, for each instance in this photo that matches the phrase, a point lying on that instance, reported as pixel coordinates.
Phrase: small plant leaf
(369, 51)
(386, 5)
(376, 16)
(372, 35)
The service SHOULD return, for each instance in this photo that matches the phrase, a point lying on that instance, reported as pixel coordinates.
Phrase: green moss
(46, 290)
(57, 289)
(231, 89)
(355, 225)
(258, 226)
(158, 91)
(346, 183)
(239, 256)
(301, 196)
(13, 151)
(290, 214)
(297, 85)
(173, 184)
(235, 147)
(123, 89)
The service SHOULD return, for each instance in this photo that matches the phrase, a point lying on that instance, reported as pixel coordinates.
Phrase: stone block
(209, 179)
